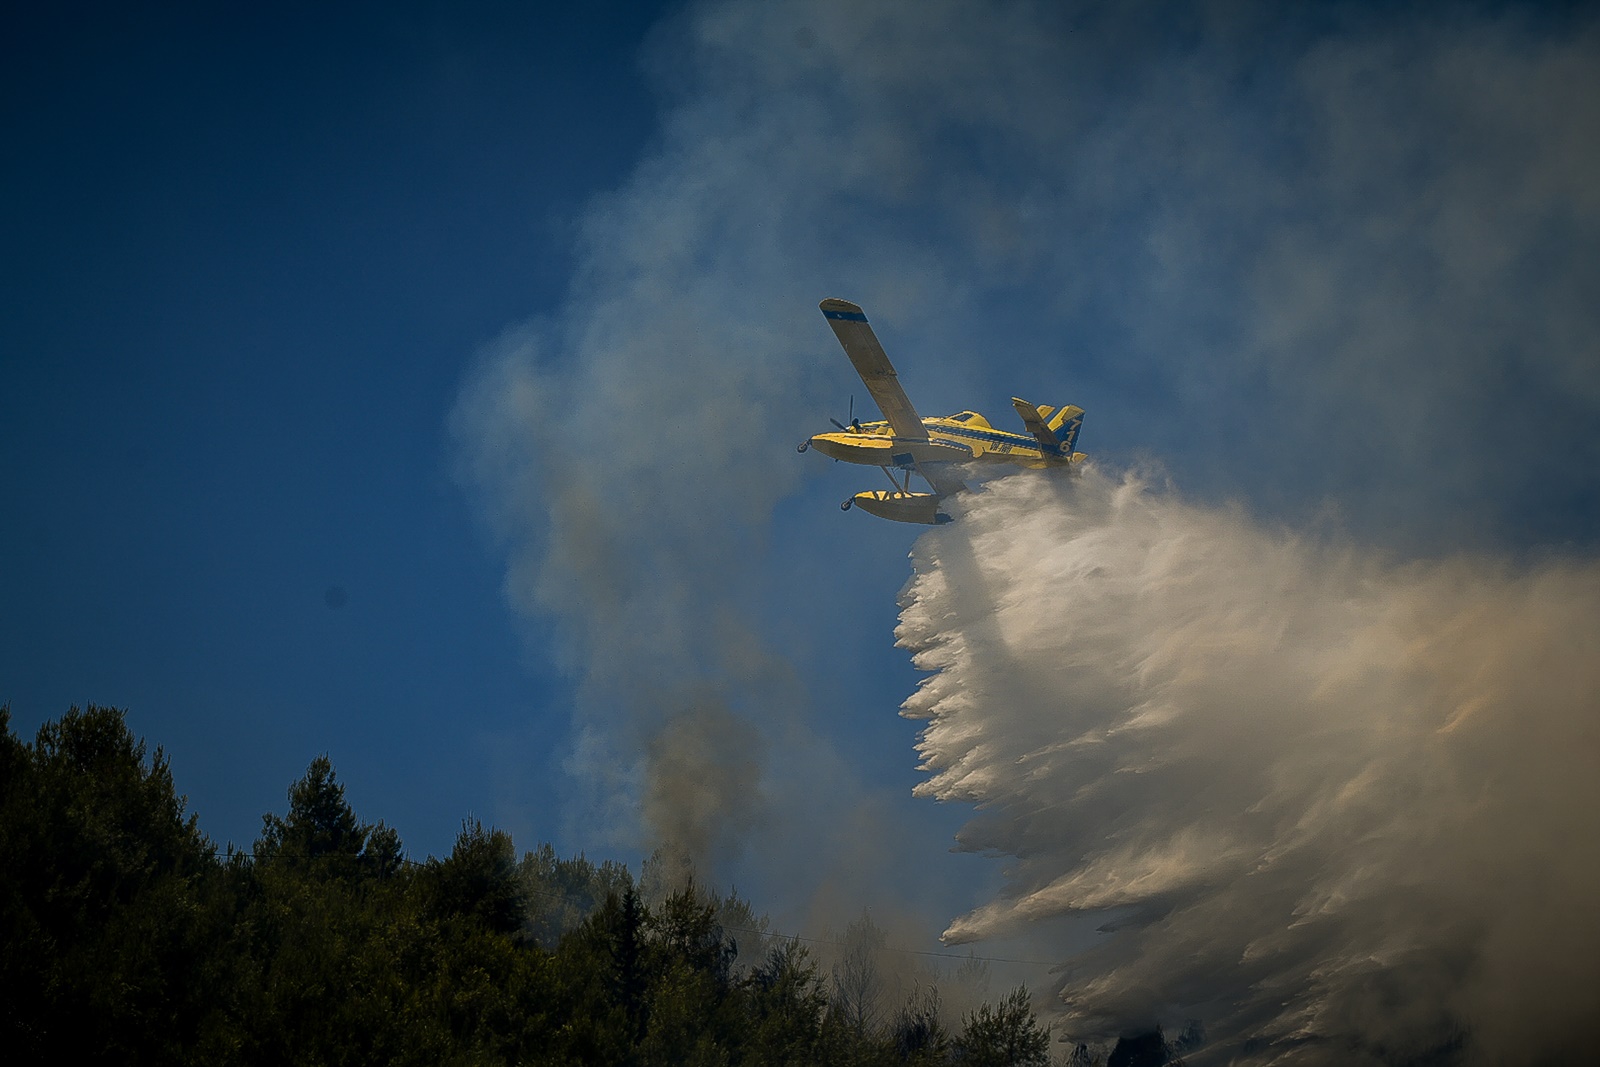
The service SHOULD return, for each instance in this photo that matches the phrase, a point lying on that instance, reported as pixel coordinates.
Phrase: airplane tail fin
(1064, 426)
(1059, 433)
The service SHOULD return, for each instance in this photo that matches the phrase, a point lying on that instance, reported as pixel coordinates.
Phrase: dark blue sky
(248, 257)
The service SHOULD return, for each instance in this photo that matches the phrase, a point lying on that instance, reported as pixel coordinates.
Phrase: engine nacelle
(902, 507)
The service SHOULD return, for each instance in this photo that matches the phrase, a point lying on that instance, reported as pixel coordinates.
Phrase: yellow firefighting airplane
(930, 447)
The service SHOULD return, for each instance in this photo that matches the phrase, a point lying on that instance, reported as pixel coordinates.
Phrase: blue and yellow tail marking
(1065, 426)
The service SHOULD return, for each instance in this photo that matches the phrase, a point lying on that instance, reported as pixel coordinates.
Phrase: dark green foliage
(786, 1004)
(746, 929)
(1007, 1036)
(479, 881)
(321, 835)
(688, 934)
(103, 905)
(355, 957)
(129, 940)
(692, 1016)
(918, 1033)
(561, 894)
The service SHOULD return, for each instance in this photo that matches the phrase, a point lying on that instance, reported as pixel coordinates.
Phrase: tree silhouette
(101, 906)
(1007, 1036)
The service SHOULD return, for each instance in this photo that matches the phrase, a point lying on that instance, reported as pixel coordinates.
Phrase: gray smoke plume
(611, 533)
(1340, 809)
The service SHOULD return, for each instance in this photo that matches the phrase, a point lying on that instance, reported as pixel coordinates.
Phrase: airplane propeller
(853, 427)
(855, 423)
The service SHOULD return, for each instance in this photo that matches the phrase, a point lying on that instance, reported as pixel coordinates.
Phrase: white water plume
(1338, 808)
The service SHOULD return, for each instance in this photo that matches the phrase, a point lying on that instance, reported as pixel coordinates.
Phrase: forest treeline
(129, 938)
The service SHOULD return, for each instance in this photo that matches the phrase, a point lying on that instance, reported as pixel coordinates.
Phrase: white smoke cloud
(1341, 808)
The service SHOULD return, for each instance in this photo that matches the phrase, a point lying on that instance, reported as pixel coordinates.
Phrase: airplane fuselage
(962, 438)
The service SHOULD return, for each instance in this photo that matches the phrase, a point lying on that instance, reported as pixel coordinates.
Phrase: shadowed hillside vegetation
(130, 938)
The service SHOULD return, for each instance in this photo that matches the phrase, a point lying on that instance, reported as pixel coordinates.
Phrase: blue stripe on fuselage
(987, 435)
(999, 436)
(848, 316)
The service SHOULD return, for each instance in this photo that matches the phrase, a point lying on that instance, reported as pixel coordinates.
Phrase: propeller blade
(837, 423)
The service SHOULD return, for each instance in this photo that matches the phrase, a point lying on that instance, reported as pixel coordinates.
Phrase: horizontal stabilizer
(1056, 433)
(1031, 418)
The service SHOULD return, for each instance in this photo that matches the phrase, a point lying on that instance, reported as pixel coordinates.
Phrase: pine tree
(1007, 1036)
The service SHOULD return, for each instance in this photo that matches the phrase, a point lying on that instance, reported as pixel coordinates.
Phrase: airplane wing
(861, 345)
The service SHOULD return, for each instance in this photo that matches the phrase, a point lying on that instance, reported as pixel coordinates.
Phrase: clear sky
(249, 256)
(418, 384)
